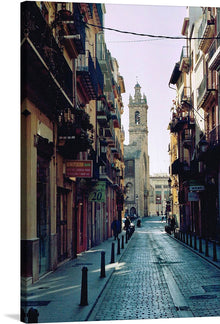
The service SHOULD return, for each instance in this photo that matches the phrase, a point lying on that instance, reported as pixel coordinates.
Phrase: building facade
(159, 194)
(136, 157)
(71, 136)
(194, 170)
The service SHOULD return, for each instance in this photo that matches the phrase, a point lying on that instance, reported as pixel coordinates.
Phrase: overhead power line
(150, 35)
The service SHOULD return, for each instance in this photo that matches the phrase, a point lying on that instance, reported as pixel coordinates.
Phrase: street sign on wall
(193, 196)
(197, 188)
(79, 168)
(98, 192)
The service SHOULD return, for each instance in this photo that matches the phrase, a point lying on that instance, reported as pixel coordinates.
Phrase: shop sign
(79, 168)
(197, 188)
(193, 196)
(98, 192)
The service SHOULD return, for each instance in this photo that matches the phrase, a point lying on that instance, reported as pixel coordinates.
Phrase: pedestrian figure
(115, 228)
(172, 224)
(127, 223)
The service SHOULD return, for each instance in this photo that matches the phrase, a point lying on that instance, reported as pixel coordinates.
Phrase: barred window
(129, 168)
(137, 118)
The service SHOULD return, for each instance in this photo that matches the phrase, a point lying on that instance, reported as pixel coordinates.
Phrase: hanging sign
(98, 192)
(193, 196)
(79, 168)
(197, 188)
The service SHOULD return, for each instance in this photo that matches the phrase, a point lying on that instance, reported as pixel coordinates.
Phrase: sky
(150, 62)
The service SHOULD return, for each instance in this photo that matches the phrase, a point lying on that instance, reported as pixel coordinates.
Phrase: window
(137, 118)
(129, 168)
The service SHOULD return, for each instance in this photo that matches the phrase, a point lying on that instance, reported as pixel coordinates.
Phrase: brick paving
(158, 277)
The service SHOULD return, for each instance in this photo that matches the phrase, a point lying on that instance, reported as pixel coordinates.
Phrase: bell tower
(138, 130)
(137, 182)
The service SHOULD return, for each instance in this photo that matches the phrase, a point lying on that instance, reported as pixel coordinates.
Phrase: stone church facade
(136, 157)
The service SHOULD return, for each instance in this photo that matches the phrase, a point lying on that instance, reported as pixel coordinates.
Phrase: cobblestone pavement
(159, 278)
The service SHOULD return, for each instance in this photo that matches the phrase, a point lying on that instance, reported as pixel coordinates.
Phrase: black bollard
(200, 245)
(195, 245)
(183, 237)
(206, 248)
(118, 250)
(102, 275)
(187, 238)
(126, 237)
(122, 242)
(113, 253)
(214, 251)
(190, 239)
(32, 315)
(84, 287)
(22, 316)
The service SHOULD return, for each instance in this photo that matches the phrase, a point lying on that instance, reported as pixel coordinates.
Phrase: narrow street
(158, 277)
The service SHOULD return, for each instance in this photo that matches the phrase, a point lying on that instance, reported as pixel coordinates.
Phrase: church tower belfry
(138, 108)
(136, 157)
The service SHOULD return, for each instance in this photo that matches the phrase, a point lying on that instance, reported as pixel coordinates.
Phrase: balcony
(97, 14)
(214, 136)
(214, 143)
(75, 26)
(86, 75)
(177, 124)
(214, 54)
(107, 172)
(185, 95)
(103, 113)
(180, 168)
(43, 65)
(184, 60)
(100, 77)
(204, 91)
(206, 31)
(72, 130)
(187, 138)
(116, 117)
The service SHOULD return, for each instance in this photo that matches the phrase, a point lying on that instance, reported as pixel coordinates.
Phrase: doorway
(62, 195)
(43, 213)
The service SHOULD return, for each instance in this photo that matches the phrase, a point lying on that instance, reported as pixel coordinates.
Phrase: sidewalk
(198, 246)
(57, 296)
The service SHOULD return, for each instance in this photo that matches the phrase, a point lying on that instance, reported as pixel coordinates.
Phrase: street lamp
(203, 146)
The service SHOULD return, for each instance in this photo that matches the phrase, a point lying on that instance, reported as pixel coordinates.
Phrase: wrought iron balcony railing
(206, 31)
(35, 28)
(87, 73)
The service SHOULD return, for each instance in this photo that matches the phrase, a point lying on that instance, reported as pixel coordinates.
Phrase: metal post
(113, 253)
(118, 251)
(126, 237)
(195, 246)
(200, 245)
(206, 247)
(187, 241)
(84, 287)
(32, 315)
(122, 242)
(214, 251)
(190, 239)
(102, 275)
